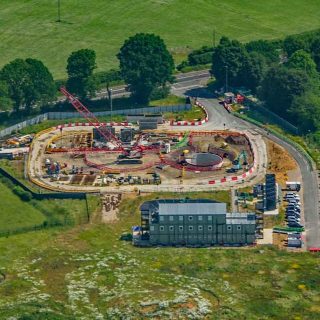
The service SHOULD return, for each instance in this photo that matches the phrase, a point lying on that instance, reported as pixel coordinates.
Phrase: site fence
(69, 115)
(282, 137)
(38, 227)
(275, 118)
(42, 196)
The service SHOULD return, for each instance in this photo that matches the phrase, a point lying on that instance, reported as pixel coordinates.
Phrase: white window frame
(180, 228)
(229, 228)
(161, 228)
(209, 218)
(190, 228)
(151, 228)
(170, 218)
(161, 218)
(239, 228)
(209, 228)
(180, 218)
(200, 228)
(171, 228)
(190, 218)
(199, 218)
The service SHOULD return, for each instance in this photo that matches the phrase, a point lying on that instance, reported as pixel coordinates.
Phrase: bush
(105, 77)
(22, 194)
(160, 93)
(200, 56)
(182, 65)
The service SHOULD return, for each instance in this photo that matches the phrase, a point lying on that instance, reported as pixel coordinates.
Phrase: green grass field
(15, 213)
(29, 27)
(86, 272)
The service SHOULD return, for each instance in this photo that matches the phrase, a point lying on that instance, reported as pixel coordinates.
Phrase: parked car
(293, 219)
(294, 225)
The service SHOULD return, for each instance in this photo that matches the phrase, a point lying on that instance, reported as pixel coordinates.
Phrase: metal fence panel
(69, 115)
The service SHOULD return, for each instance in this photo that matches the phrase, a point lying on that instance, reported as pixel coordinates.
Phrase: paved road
(183, 81)
(218, 116)
(310, 192)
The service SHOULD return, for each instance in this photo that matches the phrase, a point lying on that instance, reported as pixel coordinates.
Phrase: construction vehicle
(236, 164)
(88, 115)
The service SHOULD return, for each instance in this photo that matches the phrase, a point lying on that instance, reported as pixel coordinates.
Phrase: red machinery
(91, 118)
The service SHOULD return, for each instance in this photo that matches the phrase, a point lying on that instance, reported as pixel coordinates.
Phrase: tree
(306, 110)
(5, 101)
(254, 68)
(228, 61)
(315, 52)
(28, 82)
(301, 60)
(17, 78)
(42, 88)
(280, 86)
(267, 48)
(293, 43)
(145, 64)
(80, 68)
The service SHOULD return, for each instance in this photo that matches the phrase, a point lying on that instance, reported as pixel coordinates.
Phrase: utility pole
(110, 95)
(226, 88)
(59, 12)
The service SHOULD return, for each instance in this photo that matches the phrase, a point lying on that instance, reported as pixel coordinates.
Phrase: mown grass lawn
(29, 28)
(15, 213)
(87, 272)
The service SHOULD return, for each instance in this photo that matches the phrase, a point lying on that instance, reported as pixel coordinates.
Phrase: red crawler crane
(91, 118)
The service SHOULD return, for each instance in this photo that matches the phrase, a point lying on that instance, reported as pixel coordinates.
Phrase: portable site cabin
(198, 222)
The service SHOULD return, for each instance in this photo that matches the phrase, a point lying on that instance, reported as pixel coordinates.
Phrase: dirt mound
(280, 162)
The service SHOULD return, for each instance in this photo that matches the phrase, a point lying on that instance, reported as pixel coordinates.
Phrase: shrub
(22, 194)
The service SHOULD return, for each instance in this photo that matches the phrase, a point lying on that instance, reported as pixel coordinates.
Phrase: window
(200, 218)
(190, 218)
(161, 228)
(151, 228)
(161, 218)
(190, 228)
(238, 228)
(170, 218)
(180, 228)
(229, 227)
(209, 228)
(200, 228)
(180, 218)
(209, 218)
(171, 228)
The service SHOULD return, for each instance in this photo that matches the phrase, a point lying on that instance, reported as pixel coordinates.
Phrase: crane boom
(88, 115)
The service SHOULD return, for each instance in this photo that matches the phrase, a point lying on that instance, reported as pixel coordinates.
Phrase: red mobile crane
(91, 118)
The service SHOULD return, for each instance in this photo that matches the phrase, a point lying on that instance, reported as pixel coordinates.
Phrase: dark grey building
(198, 222)
(271, 192)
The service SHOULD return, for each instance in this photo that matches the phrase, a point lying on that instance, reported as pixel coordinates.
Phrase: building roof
(185, 207)
(240, 218)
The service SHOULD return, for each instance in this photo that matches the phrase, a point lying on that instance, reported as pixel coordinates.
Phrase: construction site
(93, 155)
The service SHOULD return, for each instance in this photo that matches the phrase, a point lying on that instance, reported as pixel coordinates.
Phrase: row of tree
(288, 82)
(145, 65)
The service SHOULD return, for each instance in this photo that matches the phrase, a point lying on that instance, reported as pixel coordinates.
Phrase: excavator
(236, 164)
